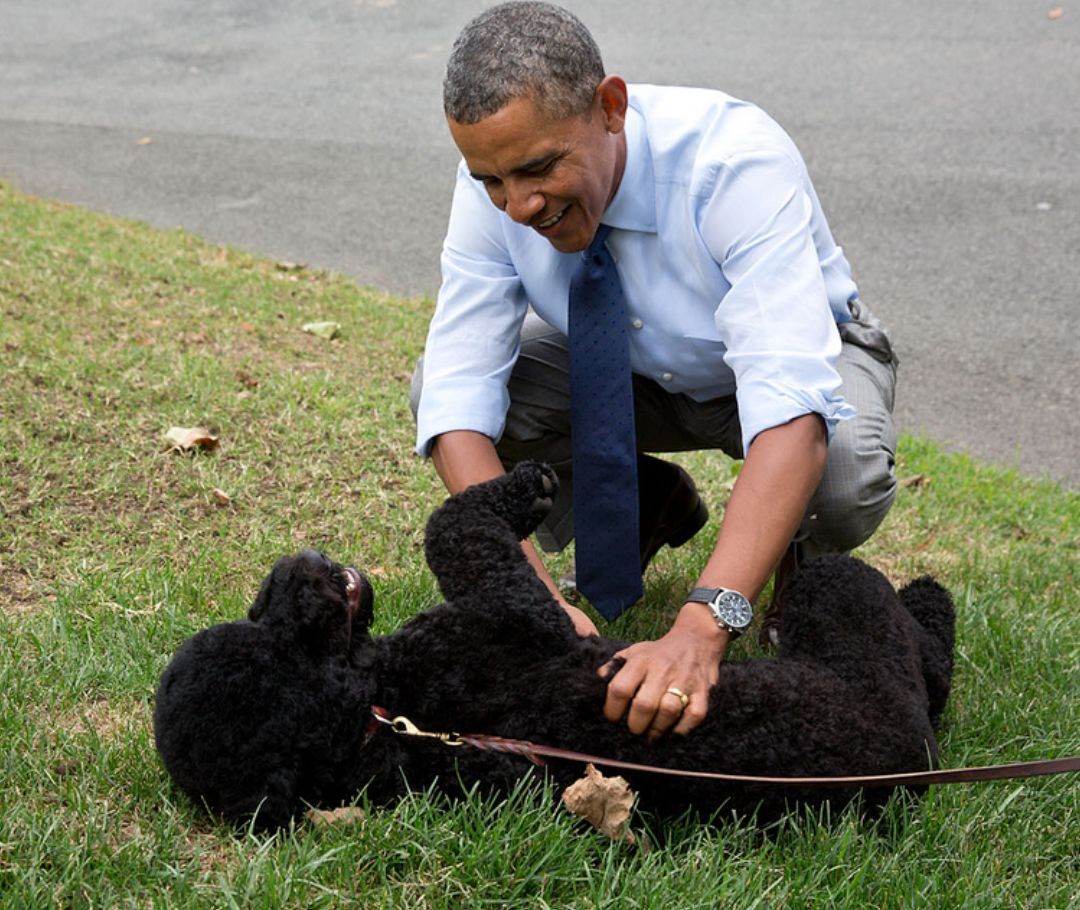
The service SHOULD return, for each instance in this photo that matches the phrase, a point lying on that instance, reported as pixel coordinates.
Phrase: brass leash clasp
(405, 727)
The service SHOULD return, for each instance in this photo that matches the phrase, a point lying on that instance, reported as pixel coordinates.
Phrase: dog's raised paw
(521, 498)
(534, 487)
(544, 483)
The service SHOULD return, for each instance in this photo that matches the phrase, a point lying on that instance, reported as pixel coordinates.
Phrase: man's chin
(572, 234)
(569, 244)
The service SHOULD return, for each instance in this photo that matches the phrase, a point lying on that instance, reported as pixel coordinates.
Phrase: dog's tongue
(353, 587)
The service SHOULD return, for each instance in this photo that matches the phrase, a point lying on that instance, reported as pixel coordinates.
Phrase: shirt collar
(634, 205)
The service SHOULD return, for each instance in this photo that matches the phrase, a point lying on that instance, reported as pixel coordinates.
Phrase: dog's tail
(932, 607)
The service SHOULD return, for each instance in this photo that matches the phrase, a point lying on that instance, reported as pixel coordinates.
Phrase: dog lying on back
(262, 717)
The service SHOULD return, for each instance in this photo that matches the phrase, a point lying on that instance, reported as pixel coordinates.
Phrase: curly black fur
(260, 717)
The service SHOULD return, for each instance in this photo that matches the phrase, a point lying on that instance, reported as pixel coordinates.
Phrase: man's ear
(611, 99)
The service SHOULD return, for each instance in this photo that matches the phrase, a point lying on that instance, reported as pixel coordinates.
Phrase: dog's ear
(276, 580)
(212, 728)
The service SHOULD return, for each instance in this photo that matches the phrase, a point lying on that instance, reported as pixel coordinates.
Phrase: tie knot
(596, 246)
(596, 259)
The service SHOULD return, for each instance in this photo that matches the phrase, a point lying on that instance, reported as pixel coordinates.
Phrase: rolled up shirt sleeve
(776, 322)
(474, 336)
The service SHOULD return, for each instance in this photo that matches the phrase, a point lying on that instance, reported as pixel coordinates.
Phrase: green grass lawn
(113, 550)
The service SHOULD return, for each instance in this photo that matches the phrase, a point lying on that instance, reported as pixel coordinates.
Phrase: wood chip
(325, 818)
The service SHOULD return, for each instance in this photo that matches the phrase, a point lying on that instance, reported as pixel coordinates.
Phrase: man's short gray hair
(513, 50)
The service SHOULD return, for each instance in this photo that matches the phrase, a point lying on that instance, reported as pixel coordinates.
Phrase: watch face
(734, 609)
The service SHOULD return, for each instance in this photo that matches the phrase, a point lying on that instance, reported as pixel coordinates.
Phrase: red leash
(535, 753)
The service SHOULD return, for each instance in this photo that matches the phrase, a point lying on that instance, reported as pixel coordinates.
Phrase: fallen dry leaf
(246, 379)
(604, 802)
(146, 140)
(286, 266)
(187, 439)
(327, 330)
(221, 496)
(346, 815)
(915, 481)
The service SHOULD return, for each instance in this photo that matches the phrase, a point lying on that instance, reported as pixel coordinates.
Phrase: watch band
(703, 595)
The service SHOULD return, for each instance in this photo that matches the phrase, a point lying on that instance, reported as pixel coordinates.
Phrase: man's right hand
(582, 624)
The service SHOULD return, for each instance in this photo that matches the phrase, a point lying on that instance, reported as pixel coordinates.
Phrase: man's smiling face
(556, 175)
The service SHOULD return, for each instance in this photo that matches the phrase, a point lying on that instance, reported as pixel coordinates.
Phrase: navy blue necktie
(607, 553)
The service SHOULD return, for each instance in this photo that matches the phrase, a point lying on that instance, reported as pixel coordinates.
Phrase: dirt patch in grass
(21, 595)
(108, 722)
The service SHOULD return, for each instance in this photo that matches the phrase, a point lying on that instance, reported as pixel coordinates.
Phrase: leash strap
(535, 753)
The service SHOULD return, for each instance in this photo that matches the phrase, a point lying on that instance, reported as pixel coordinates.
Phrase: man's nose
(523, 205)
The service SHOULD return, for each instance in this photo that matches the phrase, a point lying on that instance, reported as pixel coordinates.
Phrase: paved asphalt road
(944, 139)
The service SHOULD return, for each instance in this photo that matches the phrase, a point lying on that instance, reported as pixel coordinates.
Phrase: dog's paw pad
(548, 483)
(538, 478)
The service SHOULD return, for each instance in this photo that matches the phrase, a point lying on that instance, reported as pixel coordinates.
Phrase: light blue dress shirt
(733, 282)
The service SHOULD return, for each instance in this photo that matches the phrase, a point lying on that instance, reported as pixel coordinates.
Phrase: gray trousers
(859, 483)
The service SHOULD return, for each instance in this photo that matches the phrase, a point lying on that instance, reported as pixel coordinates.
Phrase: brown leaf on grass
(285, 266)
(246, 379)
(604, 802)
(187, 439)
(221, 496)
(915, 481)
(1056, 13)
(324, 818)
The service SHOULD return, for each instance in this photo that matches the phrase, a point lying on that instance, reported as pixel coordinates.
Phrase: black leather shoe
(670, 508)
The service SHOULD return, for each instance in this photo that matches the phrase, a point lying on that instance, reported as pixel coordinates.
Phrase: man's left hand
(686, 659)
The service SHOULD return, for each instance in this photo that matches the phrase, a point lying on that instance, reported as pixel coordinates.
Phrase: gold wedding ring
(680, 695)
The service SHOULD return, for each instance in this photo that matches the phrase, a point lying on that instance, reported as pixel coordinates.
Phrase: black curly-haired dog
(261, 717)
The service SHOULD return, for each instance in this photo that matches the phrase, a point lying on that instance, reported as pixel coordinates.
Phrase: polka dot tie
(607, 557)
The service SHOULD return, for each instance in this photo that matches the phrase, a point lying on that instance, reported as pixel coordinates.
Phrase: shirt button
(667, 377)
(637, 323)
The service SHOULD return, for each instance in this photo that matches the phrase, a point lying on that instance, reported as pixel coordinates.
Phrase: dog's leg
(932, 607)
(840, 610)
(472, 541)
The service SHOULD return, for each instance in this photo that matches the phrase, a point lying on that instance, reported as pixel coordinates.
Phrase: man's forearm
(779, 476)
(464, 458)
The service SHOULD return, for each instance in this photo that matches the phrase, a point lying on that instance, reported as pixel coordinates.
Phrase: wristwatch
(730, 609)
